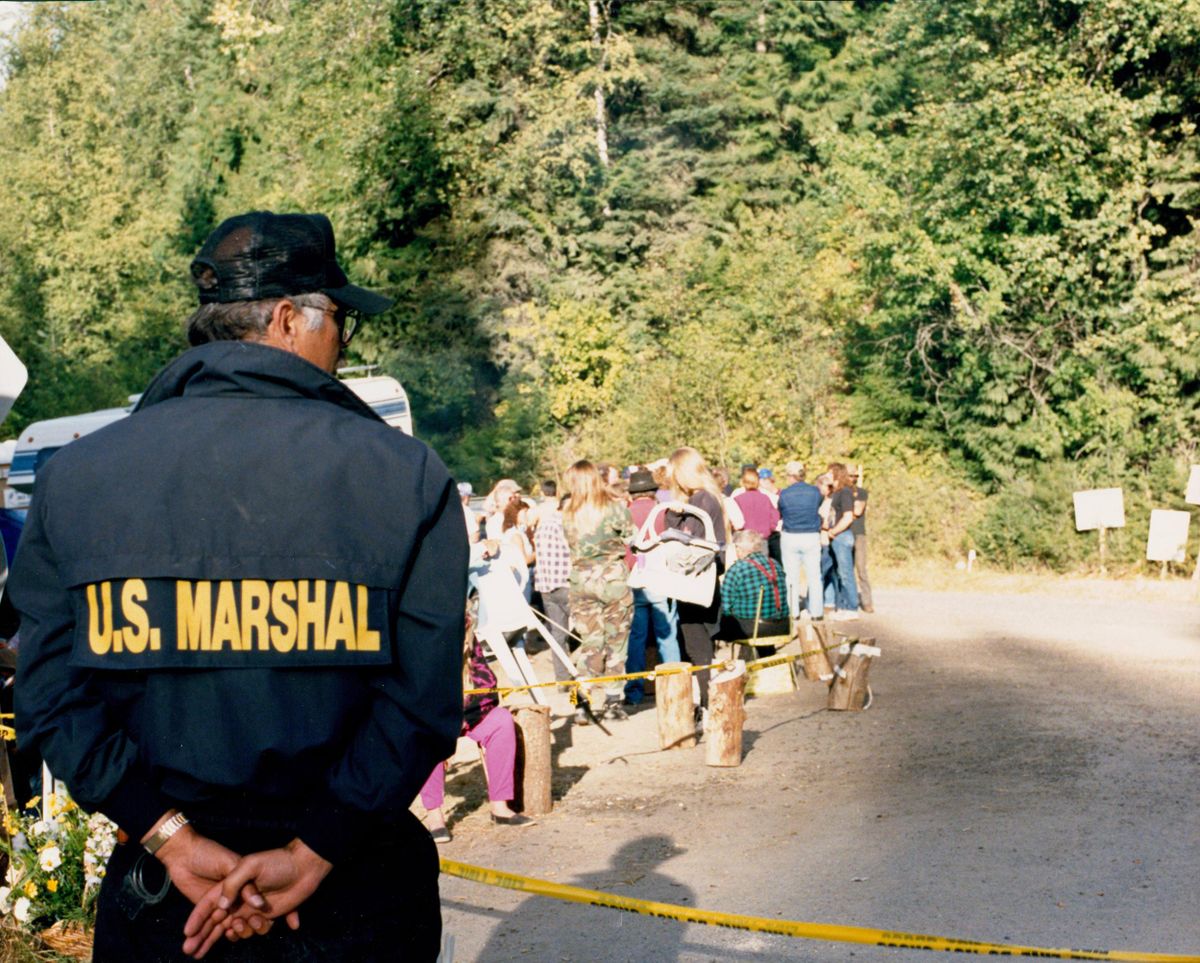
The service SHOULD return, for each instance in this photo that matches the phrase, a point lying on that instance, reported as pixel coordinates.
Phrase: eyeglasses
(347, 325)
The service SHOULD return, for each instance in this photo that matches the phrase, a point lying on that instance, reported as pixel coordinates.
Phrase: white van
(43, 438)
(385, 395)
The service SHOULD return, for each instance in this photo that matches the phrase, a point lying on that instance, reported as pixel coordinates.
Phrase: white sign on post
(1168, 536)
(12, 378)
(1099, 508)
(1193, 490)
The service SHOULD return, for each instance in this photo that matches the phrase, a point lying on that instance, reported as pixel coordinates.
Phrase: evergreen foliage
(953, 241)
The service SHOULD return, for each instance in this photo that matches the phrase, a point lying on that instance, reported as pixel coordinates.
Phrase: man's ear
(285, 322)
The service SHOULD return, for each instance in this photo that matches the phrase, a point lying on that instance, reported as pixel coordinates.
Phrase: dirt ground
(1029, 773)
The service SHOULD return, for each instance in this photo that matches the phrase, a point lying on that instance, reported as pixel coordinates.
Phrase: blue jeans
(802, 550)
(843, 571)
(649, 611)
(827, 579)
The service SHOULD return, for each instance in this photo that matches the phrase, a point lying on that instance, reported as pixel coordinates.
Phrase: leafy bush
(55, 863)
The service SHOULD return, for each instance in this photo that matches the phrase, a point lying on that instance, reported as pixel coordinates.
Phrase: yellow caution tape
(809, 931)
(755, 666)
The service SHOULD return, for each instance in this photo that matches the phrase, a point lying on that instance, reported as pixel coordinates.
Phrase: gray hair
(248, 320)
(748, 542)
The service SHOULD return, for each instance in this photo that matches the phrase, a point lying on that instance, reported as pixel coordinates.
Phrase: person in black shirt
(859, 528)
(242, 618)
(841, 543)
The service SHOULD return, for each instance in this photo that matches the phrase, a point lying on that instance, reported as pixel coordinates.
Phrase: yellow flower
(31, 889)
(52, 885)
(10, 824)
(33, 803)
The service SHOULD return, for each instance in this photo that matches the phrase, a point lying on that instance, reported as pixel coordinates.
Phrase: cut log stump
(850, 690)
(674, 706)
(813, 639)
(726, 716)
(533, 771)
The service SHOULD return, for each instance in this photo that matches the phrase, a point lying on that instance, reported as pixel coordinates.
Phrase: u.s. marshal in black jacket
(244, 604)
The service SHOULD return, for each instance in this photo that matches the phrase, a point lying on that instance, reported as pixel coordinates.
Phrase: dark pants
(860, 573)
(741, 630)
(557, 607)
(381, 904)
(774, 549)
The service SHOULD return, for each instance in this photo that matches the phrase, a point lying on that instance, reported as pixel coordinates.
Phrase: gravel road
(1029, 773)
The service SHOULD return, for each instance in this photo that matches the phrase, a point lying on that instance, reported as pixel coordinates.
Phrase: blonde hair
(688, 473)
(589, 498)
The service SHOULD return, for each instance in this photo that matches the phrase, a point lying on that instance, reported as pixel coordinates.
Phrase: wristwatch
(164, 832)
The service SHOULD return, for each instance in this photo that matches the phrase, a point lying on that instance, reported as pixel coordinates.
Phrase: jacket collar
(233, 368)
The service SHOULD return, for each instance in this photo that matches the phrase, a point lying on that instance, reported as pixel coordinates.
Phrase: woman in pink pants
(491, 725)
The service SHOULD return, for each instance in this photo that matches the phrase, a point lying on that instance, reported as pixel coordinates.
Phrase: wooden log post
(849, 690)
(533, 771)
(674, 706)
(813, 639)
(726, 715)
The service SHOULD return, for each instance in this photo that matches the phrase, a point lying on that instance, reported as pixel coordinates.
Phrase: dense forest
(952, 241)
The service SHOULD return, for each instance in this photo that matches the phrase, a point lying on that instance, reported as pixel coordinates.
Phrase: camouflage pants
(601, 611)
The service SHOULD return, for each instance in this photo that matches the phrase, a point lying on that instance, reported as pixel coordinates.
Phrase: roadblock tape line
(809, 931)
(757, 665)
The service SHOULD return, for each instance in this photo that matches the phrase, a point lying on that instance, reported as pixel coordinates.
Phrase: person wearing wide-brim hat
(247, 653)
(652, 613)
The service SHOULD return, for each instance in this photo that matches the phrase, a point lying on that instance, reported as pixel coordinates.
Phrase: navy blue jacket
(798, 504)
(247, 595)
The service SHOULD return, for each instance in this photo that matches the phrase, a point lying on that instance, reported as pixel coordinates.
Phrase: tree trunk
(533, 771)
(673, 703)
(601, 64)
(726, 715)
(813, 639)
(850, 690)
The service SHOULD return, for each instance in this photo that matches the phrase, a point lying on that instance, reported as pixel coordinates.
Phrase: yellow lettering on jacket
(368, 639)
(193, 616)
(256, 600)
(341, 619)
(138, 634)
(225, 619)
(100, 618)
(283, 636)
(310, 611)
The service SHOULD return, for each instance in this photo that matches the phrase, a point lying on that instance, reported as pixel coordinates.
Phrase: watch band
(164, 832)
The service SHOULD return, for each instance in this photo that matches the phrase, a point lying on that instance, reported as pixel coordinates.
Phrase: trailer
(37, 443)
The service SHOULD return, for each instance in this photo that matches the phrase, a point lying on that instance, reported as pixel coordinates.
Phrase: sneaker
(614, 710)
(844, 615)
(701, 718)
(441, 835)
(582, 718)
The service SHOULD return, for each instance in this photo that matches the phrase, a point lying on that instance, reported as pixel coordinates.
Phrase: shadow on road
(590, 933)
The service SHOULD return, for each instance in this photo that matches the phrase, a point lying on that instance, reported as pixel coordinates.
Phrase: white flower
(21, 910)
(5, 893)
(40, 828)
(20, 843)
(91, 879)
(50, 858)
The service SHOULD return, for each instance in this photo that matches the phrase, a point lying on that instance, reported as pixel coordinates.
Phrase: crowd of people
(569, 559)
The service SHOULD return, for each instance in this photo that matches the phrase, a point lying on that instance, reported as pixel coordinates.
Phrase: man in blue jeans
(800, 542)
(650, 611)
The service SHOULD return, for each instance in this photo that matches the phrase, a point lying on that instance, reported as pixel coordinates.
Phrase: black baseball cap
(262, 255)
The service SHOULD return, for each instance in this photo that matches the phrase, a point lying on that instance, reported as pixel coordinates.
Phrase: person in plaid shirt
(754, 590)
(552, 570)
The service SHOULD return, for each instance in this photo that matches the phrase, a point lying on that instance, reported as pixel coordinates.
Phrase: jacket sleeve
(60, 709)
(415, 714)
